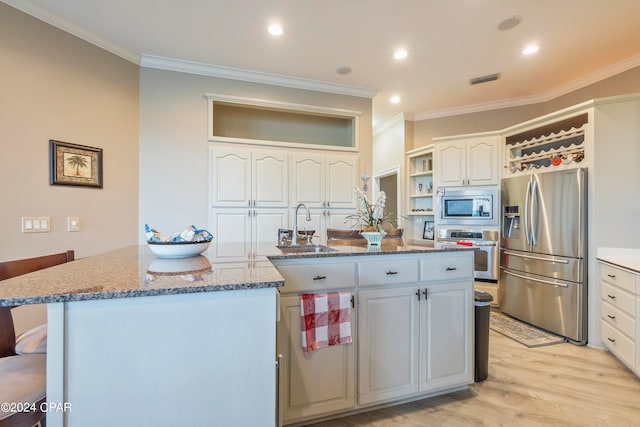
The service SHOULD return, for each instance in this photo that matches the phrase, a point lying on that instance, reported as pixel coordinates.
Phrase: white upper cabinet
(324, 181)
(341, 180)
(467, 160)
(243, 177)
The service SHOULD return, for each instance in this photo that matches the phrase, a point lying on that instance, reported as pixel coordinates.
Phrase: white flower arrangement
(370, 216)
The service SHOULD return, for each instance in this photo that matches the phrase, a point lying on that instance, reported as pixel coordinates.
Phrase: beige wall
(425, 130)
(174, 145)
(56, 86)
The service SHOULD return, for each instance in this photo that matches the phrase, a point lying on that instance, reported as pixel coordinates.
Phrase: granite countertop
(341, 251)
(135, 272)
(621, 257)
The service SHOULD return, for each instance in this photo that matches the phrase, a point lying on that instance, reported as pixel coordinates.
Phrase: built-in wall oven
(485, 244)
(477, 207)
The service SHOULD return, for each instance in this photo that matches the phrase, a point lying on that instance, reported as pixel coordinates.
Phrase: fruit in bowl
(189, 243)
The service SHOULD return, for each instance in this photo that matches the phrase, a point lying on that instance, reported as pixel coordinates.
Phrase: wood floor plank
(558, 385)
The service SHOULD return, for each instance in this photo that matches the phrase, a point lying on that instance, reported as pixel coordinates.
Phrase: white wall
(388, 153)
(174, 147)
(56, 86)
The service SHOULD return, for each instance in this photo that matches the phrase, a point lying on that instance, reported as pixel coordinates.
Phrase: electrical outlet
(73, 223)
(36, 224)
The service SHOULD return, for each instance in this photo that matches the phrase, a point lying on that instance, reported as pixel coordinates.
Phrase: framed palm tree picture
(73, 164)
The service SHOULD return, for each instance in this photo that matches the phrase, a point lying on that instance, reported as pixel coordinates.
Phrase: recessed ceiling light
(343, 70)
(509, 23)
(530, 49)
(275, 29)
(400, 54)
(395, 99)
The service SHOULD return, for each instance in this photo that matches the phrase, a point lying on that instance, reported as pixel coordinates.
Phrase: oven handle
(539, 258)
(547, 282)
(473, 244)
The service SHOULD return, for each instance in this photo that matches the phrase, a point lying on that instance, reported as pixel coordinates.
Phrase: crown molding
(398, 118)
(58, 21)
(191, 67)
(610, 71)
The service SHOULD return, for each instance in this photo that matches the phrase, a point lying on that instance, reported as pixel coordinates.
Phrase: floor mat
(527, 335)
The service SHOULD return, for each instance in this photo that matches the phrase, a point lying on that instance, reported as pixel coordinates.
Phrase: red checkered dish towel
(326, 319)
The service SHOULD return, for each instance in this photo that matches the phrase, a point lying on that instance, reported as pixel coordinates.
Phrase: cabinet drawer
(618, 319)
(618, 277)
(446, 266)
(385, 271)
(618, 344)
(618, 298)
(317, 276)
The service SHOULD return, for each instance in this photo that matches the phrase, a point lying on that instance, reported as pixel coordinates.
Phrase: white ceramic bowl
(178, 249)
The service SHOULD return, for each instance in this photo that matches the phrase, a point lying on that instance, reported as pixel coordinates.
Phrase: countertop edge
(95, 296)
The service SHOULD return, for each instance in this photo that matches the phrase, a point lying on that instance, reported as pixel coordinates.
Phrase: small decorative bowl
(178, 249)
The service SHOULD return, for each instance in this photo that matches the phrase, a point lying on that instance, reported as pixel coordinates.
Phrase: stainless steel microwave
(468, 207)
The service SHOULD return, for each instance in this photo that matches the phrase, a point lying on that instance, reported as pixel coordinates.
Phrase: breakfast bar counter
(138, 340)
(134, 272)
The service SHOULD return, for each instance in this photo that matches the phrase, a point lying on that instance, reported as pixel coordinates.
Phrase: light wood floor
(558, 385)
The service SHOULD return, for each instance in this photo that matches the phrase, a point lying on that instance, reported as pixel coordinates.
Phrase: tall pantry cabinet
(326, 185)
(250, 199)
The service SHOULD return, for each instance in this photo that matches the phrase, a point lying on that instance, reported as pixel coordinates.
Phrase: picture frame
(73, 164)
(428, 232)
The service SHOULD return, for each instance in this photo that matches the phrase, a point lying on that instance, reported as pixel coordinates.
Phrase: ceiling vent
(484, 79)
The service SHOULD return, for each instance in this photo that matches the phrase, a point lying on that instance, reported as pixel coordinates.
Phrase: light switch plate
(73, 223)
(36, 224)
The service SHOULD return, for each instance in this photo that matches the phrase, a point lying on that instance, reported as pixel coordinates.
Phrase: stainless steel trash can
(482, 313)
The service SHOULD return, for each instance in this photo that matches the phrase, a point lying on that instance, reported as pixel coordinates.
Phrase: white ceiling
(449, 42)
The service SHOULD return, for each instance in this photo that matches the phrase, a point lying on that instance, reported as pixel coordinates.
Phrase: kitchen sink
(298, 249)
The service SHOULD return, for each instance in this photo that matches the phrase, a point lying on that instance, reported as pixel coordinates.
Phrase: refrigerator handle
(546, 282)
(539, 258)
(526, 218)
(535, 221)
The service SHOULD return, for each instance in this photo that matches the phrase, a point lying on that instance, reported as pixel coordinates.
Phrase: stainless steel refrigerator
(543, 251)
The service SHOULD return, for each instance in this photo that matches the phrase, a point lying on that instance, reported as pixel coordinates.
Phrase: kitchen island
(134, 340)
(137, 340)
(411, 328)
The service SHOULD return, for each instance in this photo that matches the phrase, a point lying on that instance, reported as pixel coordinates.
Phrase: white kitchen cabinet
(416, 338)
(413, 327)
(317, 383)
(255, 178)
(246, 233)
(389, 336)
(321, 382)
(324, 181)
(447, 341)
(619, 305)
(467, 160)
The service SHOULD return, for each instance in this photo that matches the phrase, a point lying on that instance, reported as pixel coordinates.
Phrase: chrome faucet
(294, 238)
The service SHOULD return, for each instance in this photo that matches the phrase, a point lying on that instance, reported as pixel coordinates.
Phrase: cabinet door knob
(391, 273)
(611, 296)
(319, 277)
(613, 276)
(451, 268)
(611, 317)
(611, 339)
(426, 293)
(418, 294)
